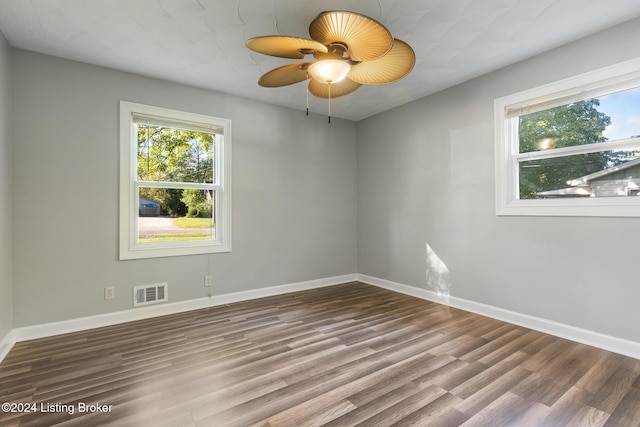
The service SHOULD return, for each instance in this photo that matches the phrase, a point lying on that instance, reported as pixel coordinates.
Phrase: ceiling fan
(350, 49)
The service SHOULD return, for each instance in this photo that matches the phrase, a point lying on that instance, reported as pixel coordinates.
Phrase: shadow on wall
(438, 279)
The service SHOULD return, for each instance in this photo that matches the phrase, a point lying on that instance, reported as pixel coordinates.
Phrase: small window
(175, 187)
(571, 147)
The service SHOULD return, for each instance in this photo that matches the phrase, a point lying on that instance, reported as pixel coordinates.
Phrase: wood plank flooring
(344, 355)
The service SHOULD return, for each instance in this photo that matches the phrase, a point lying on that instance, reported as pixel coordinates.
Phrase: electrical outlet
(207, 281)
(109, 292)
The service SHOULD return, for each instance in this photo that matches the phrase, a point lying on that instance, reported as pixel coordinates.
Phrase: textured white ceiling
(201, 42)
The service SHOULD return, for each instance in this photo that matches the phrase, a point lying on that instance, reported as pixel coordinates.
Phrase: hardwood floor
(345, 355)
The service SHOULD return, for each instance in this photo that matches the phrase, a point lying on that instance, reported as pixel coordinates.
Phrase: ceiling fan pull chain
(307, 90)
(329, 102)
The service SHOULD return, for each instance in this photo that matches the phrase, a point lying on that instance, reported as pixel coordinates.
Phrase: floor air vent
(150, 294)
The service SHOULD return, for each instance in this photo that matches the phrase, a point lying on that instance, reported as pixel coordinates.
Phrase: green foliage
(193, 222)
(565, 126)
(176, 237)
(197, 203)
(175, 155)
(574, 124)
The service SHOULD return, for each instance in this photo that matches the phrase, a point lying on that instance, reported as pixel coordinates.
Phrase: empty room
(302, 213)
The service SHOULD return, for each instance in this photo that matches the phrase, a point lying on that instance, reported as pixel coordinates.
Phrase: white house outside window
(175, 187)
(571, 147)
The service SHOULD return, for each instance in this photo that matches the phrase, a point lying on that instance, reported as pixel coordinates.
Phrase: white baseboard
(584, 336)
(6, 344)
(100, 320)
(606, 342)
(90, 322)
(282, 289)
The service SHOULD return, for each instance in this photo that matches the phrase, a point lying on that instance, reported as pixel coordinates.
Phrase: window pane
(606, 118)
(175, 215)
(174, 155)
(579, 123)
(624, 110)
(612, 173)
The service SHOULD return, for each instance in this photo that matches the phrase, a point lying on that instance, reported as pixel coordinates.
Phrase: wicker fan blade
(284, 46)
(321, 90)
(364, 38)
(285, 75)
(396, 64)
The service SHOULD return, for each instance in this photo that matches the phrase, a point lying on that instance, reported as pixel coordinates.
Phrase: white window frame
(596, 83)
(129, 186)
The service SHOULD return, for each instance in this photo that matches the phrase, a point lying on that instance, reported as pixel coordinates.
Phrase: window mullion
(620, 144)
(177, 185)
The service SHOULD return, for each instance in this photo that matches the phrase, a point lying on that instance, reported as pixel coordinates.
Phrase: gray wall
(421, 174)
(6, 276)
(294, 193)
(426, 176)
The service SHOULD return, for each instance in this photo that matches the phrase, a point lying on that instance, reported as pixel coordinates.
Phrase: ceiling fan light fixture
(329, 71)
(350, 50)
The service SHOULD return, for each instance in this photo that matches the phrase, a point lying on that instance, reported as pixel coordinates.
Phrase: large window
(175, 188)
(571, 147)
